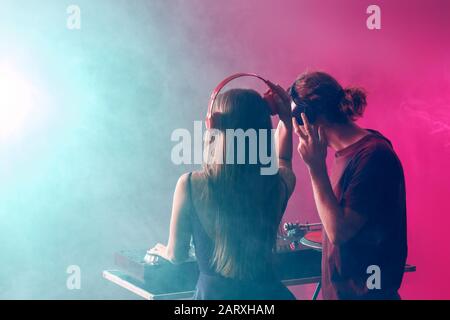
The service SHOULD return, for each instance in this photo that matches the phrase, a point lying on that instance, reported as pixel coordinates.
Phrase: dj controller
(293, 261)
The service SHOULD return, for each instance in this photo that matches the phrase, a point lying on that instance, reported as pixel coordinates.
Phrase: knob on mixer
(293, 229)
(294, 245)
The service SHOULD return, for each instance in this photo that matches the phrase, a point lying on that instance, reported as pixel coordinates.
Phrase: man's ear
(324, 125)
(323, 135)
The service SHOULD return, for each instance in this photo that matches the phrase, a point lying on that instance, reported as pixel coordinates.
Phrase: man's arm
(340, 224)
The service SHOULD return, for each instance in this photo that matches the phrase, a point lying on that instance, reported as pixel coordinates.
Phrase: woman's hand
(159, 250)
(282, 102)
(312, 145)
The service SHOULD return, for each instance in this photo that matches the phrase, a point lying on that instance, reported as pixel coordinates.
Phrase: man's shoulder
(376, 144)
(377, 151)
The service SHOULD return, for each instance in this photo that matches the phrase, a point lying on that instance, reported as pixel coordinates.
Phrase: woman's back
(257, 279)
(232, 208)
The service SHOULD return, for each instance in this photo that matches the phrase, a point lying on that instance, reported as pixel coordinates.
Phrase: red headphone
(268, 98)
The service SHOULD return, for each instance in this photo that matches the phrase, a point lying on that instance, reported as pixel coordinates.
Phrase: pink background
(405, 68)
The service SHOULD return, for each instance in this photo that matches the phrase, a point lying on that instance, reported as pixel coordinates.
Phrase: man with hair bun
(362, 203)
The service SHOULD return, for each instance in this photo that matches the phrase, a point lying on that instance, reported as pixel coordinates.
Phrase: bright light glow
(17, 102)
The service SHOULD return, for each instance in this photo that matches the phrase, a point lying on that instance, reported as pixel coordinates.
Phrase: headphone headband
(227, 80)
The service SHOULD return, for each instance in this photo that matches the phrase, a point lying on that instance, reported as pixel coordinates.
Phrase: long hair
(329, 99)
(241, 198)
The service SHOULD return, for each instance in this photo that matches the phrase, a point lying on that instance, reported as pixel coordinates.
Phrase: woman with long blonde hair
(231, 210)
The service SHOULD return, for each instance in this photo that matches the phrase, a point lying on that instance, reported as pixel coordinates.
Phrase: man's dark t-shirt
(368, 178)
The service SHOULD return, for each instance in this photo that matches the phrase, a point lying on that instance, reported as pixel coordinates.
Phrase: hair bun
(354, 102)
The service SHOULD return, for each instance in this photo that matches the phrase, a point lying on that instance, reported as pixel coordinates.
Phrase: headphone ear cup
(307, 110)
(271, 104)
(297, 111)
(310, 114)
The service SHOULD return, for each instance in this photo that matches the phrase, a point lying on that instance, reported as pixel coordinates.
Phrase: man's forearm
(330, 212)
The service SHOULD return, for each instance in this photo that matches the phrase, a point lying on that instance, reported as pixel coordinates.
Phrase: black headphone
(300, 106)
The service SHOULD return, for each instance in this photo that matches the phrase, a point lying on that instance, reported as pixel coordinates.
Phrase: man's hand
(312, 145)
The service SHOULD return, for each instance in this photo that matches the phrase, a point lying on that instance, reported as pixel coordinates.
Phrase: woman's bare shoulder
(193, 176)
(198, 178)
(198, 175)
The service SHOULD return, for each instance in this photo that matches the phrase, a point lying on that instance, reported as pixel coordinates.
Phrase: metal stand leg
(316, 292)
